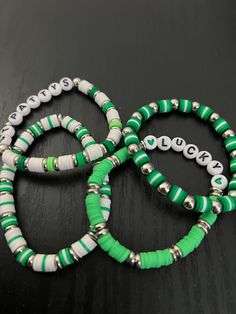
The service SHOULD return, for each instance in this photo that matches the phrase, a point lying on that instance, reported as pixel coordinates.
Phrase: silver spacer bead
(127, 130)
(3, 147)
(134, 260)
(18, 149)
(234, 175)
(92, 236)
(154, 107)
(105, 196)
(100, 226)
(60, 117)
(215, 192)
(74, 160)
(93, 188)
(176, 252)
(9, 228)
(189, 202)
(76, 81)
(103, 149)
(45, 164)
(204, 225)
(7, 214)
(73, 254)
(30, 132)
(216, 207)
(232, 193)
(164, 188)
(133, 148)
(228, 133)
(175, 104)
(147, 168)
(18, 250)
(114, 160)
(57, 261)
(26, 163)
(213, 117)
(16, 160)
(142, 145)
(56, 167)
(86, 156)
(195, 106)
(30, 261)
(137, 115)
(233, 154)
(102, 232)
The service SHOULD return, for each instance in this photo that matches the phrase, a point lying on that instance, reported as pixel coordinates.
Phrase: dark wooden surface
(137, 52)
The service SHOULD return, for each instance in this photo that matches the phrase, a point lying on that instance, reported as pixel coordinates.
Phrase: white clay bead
(190, 151)
(8, 130)
(54, 121)
(7, 172)
(115, 135)
(9, 157)
(219, 181)
(85, 86)
(164, 143)
(5, 140)
(35, 164)
(79, 249)
(65, 162)
(15, 239)
(23, 109)
(105, 202)
(55, 89)
(44, 95)
(24, 141)
(70, 126)
(203, 158)
(66, 84)
(112, 115)
(101, 99)
(33, 101)
(215, 167)
(15, 118)
(86, 140)
(178, 144)
(150, 142)
(44, 262)
(7, 204)
(94, 152)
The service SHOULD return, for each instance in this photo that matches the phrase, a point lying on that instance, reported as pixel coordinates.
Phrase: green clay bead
(209, 217)
(100, 172)
(204, 112)
(110, 147)
(50, 164)
(24, 256)
(220, 125)
(80, 159)
(92, 202)
(14, 150)
(107, 106)
(131, 138)
(230, 143)
(65, 257)
(165, 106)
(21, 163)
(185, 105)
(202, 203)
(228, 203)
(36, 129)
(155, 178)
(105, 189)
(232, 185)
(115, 124)
(93, 90)
(140, 158)
(134, 123)
(6, 187)
(81, 132)
(177, 195)
(8, 221)
(156, 259)
(146, 112)
(233, 165)
(122, 154)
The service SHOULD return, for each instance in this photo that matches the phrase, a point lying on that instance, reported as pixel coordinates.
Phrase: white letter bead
(35, 164)
(23, 109)
(53, 119)
(215, 167)
(203, 158)
(15, 239)
(44, 95)
(79, 248)
(115, 135)
(22, 141)
(70, 124)
(65, 162)
(190, 151)
(9, 157)
(9, 206)
(33, 101)
(219, 181)
(55, 89)
(112, 114)
(15, 118)
(150, 142)
(66, 84)
(7, 172)
(84, 87)
(48, 260)
(8, 130)
(5, 140)
(101, 99)
(164, 143)
(178, 144)
(94, 152)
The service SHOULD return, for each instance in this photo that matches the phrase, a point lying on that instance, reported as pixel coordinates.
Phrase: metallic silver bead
(26, 163)
(45, 164)
(154, 107)
(16, 160)
(147, 168)
(92, 236)
(142, 145)
(127, 130)
(17, 149)
(18, 250)
(176, 252)
(76, 81)
(233, 154)
(232, 193)
(102, 232)
(137, 115)
(131, 259)
(99, 227)
(234, 175)
(9, 228)
(138, 261)
(93, 188)
(133, 148)
(3, 147)
(105, 196)
(195, 106)
(204, 225)
(164, 188)
(86, 156)
(104, 150)
(114, 160)
(228, 133)
(30, 261)
(216, 207)
(175, 104)
(189, 202)
(7, 214)
(57, 261)
(73, 254)
(213, 117)
(84, 136)
(215, 192)
(60, 117)
(74, 160)
(56, 167)
(30, 133)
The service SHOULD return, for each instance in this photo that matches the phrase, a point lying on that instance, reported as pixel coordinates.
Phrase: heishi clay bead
(185, 105)
(220, 182)
(204, 112)
(165, 106)
(134, 123)
(65, 257)
(7, 172)
(44, 263)
(232, 184)
(6, 204)
(215, 167)
(177, 195)
(140, 158)
(131, 138)
(203, 158)
(202, 203)
(178, 144)
(36, 129)
(24, 141)
(155, 178)
(15, 118)
(220, 125)
(44, 95)
(190, 151)
(233, 165)
(164, 143)
(50, 122)
(146, 112)
(156, 259)
(228, 203)
(55, 89)
(84, 246)
(6, 187)
(9, 221)
(33, 101)
(15, 239)
(24, 256)
(93, 209)
(230, 143)
(122, 154)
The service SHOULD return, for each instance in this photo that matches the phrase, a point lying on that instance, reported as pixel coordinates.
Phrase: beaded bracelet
(216, 201)
(17, 243)
(120, 253)
(44, 96)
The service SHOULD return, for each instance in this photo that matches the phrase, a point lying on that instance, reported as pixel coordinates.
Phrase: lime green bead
(156, 259)
(94, 213)
(209, 217)
(115, 124)
(50, 164)
(122, 155)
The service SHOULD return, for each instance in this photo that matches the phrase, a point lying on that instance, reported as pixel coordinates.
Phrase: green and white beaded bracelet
(217, 202)
(114, 248)
(18, 244)
(44, 96)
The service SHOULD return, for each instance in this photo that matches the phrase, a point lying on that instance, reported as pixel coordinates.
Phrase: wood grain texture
(136, 52)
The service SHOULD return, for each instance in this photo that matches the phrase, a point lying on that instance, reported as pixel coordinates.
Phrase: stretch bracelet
(144, 260)
(216, 201)
(55, 89)
(17, 243)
